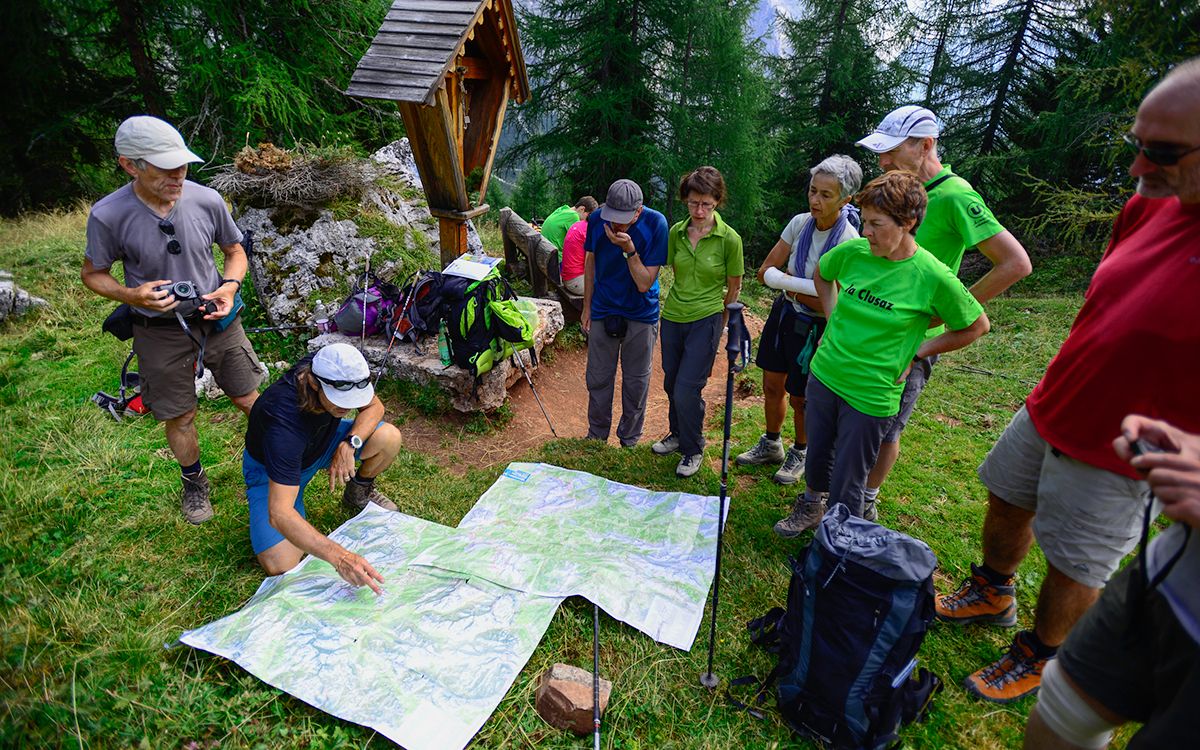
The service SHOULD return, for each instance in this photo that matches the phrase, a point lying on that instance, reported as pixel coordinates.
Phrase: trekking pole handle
(737, 343)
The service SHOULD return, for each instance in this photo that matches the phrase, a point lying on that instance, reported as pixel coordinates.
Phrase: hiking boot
(976, 600)
(764, 452)
(666, 446)
(793, 466)
(1017, 674)
(806, 514)
(358, 494)
(689, 465)
(194, 501)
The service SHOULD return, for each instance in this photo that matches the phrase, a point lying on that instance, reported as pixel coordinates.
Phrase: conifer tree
(833, 86)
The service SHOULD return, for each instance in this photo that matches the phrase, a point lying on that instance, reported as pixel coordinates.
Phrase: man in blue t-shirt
(299, 426)
(626, 243)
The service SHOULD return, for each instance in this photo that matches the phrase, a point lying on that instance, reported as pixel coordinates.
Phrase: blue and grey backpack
(859, 603)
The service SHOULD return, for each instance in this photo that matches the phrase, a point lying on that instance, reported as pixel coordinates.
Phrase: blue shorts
(263, 535)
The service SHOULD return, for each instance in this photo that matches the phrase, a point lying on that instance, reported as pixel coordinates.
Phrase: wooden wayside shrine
(451, 66)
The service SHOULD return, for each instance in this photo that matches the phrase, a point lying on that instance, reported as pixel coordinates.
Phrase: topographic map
(463, 609)
(645, 557)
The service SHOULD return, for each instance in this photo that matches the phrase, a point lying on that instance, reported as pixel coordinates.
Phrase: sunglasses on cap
(166, 227)
(344, 385)
(1163, 156)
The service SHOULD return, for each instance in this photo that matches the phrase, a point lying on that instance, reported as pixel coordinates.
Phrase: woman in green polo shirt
(881, 293)
(706, 256)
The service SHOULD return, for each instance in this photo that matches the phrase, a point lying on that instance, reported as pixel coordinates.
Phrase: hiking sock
(994, 577)
(772, 436)
(1040, 649)
(191, 471)
(870, 494)
(358, 478)
(801, 446)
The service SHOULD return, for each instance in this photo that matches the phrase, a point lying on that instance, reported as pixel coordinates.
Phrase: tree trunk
(1007, 73)
(130, 31)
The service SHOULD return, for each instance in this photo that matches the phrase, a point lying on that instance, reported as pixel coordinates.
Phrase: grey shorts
(1087, 518)
(918, 377)
(166, 357)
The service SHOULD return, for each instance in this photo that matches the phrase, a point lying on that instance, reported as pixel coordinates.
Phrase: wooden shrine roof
(419, 41)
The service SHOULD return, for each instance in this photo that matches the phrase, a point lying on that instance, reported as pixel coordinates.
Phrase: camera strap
(198, 366)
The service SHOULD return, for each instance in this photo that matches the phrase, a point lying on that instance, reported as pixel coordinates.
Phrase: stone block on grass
(564, 698)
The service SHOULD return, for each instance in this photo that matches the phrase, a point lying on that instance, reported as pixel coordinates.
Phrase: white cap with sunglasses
(155, 141)
(909, 121)
(344, 376)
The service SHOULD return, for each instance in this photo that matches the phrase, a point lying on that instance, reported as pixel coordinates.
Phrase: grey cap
(623, 201)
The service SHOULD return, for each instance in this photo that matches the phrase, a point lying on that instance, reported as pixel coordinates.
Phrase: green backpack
(488, 324)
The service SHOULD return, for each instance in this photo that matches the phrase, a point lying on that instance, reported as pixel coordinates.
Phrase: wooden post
(452, 234)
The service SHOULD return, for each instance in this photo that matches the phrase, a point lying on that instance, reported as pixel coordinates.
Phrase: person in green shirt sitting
(880, 293)
(706, 256)
(555, 227)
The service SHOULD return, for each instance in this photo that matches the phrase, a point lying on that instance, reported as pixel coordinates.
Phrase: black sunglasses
(345, 385)
(166, 227)
(1163, 156)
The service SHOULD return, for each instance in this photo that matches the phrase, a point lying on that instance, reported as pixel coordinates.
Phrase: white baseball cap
(909, 121)
(344, 376)
(155, 140)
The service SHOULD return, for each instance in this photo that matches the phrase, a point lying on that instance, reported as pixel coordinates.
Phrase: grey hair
(139, 163)
(843, 169)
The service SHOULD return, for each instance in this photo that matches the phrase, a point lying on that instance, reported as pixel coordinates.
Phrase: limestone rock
(564, 698)
(300, 252)
(15, 301)
(405, 361)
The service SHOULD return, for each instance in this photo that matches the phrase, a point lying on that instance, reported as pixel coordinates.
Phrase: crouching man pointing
(298, 427)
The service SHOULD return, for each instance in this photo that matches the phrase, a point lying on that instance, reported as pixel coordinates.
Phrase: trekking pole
(737, 347)
(532, 387)
(411, 285)
(596, 676)
(267, 329)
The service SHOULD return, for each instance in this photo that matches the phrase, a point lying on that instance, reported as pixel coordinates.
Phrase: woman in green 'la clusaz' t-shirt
(881, 293)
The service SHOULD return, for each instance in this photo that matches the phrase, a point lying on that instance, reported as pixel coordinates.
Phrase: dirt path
(561, 386)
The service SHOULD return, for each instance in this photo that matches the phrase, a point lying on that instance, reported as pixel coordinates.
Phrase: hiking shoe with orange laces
(1016, 675)
(977, 600)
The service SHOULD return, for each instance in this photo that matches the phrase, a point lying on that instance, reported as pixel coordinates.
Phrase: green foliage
(835, 97)
(534, 196)
(497, 198)
(226, 74)
(647, 91)
(427, 399)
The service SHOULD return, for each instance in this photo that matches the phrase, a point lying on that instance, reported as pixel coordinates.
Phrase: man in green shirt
(555, 227)
(956, 219)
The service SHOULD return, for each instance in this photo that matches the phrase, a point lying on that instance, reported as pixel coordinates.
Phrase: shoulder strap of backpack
(929, 188)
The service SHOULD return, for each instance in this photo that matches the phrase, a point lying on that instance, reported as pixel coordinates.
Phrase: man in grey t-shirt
(161, 228)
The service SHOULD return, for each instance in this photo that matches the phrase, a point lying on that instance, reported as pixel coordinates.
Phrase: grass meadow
(99, 573)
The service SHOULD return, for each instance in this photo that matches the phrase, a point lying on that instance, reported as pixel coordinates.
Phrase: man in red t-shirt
(1133, 349)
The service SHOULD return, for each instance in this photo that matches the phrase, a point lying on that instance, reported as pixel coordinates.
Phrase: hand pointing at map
(355, 570)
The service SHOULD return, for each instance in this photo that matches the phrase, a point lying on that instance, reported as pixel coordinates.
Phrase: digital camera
(190, 304)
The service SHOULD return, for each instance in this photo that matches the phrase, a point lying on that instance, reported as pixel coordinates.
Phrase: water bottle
(443, 344)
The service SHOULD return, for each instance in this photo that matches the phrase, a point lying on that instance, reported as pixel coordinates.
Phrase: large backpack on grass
(486, 325)
(859, 603)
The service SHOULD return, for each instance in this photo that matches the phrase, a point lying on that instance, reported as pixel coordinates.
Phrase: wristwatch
(354, 440)
(629, 254)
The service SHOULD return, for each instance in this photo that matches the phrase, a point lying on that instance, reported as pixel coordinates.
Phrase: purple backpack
(364, 312)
